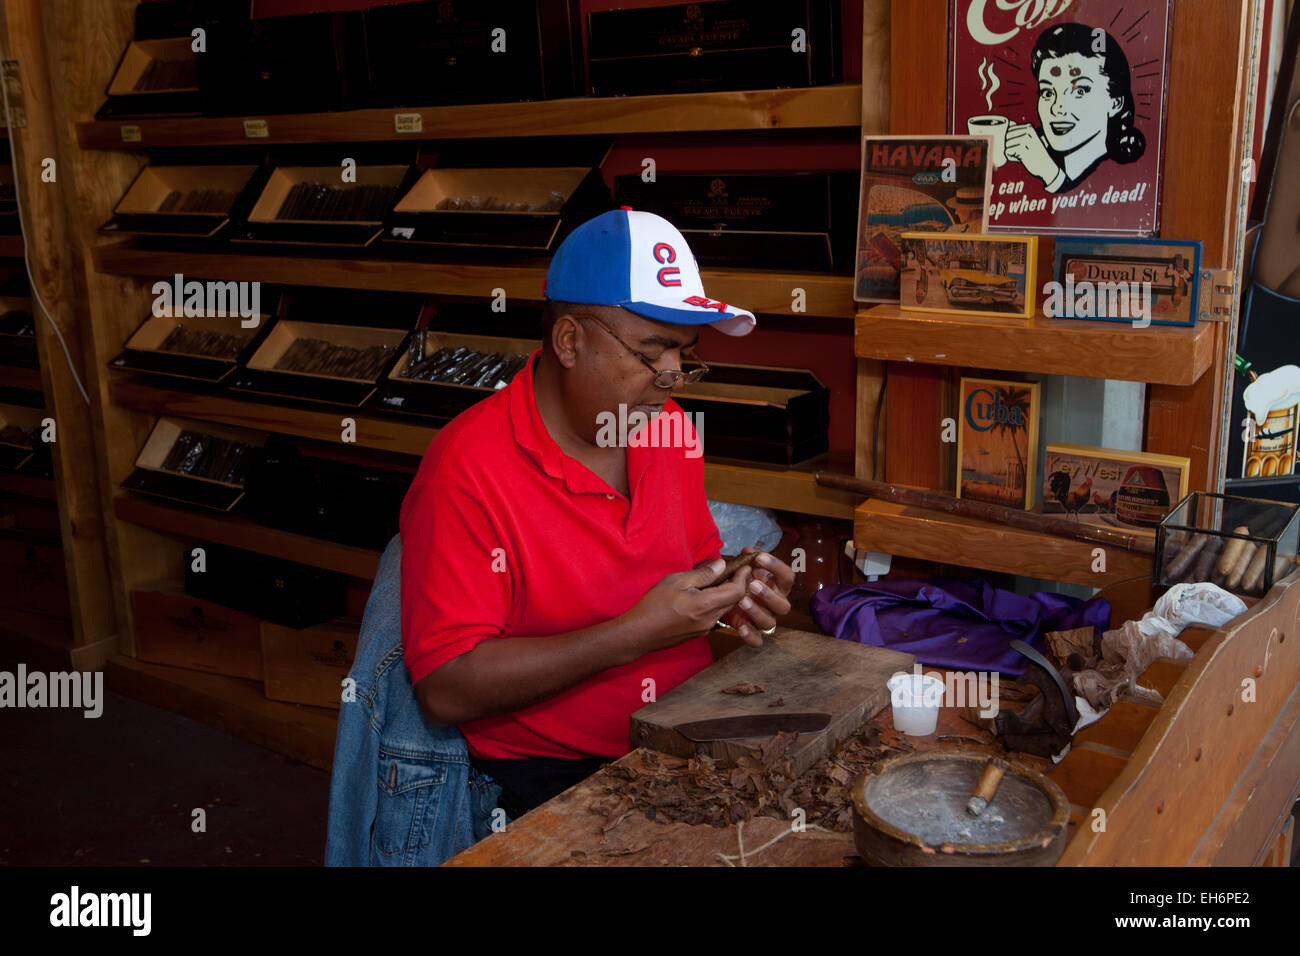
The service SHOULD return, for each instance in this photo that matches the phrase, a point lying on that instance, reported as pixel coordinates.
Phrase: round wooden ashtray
(912, 812)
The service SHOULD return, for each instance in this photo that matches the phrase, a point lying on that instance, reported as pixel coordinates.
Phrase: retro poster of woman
(1072, 92)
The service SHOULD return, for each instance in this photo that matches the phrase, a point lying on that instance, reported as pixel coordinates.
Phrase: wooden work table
(1206, 778)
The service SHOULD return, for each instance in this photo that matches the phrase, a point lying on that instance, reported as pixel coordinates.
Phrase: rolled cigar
(1203, 568)
(1254, 576)
(1176, 568)
(1239, 569)
(1232, 551)
(987, 786)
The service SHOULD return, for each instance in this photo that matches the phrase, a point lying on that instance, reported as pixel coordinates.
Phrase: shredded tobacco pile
(677, 789)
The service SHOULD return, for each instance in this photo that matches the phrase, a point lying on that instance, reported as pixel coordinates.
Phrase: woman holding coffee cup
(1085, 108)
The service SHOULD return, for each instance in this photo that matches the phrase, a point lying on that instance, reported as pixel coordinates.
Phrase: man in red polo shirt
(551, 581)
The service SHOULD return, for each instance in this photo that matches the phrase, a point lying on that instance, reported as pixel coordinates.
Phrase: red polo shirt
(504, 535)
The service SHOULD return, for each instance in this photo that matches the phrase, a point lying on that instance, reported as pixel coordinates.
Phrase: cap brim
(734, 321)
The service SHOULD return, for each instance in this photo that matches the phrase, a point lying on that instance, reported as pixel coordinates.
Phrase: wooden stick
(1028, 520)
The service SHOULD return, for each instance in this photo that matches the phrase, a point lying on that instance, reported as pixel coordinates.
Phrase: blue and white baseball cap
(639, 261)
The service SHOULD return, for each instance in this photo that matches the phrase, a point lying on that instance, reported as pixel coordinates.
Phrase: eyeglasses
(664, 378)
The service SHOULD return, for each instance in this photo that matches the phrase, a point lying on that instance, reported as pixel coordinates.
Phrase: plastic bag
(744, 526)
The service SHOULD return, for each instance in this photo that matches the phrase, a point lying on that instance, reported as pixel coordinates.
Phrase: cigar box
(446, 399)
(720, 45)
(351, 360)
(429, 54)
(757, 413)
(283, 592)
(196, 463)
(20, 437)
(528, 209)
(295, 489)
(31, 565)
(1241, 544)
(791, 221)
(312, 62)
(17, 332)
(180, 201)
(154, 77)
(1113, 488)
(205, 348)
(180, 630)
(312, 206)
(308, 666)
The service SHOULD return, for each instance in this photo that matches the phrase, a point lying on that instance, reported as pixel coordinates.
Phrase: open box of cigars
(178, 201)
(529, 209)
(1241, 544)
(330, 345)
(154, 77)
(197, 463)
(440, 374)
(203, 347)
(17, 332)
(759, 413)
(313, 206)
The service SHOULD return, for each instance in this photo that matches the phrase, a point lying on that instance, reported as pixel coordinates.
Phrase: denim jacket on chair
(403, 792)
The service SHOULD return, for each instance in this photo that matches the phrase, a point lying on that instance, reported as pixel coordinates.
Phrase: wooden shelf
(757, 291)
(1160, 355)
(811, 108)
(230, 704)
(11, 247)
(241, 532)
(948, 539)
(790, 489)
(28, 487)
(20, 376)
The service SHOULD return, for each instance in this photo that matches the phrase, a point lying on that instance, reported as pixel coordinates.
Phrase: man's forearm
(506, 674)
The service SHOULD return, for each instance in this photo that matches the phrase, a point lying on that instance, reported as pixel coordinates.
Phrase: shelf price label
(130, 133)
(256, 129)
(408, 122)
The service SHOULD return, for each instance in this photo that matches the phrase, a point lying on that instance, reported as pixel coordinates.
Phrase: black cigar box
(487, 51)
(312, 62)
(491, 361)
(758, 413)
(314, 206)
(283, 592)
(296, 490)
(797, 221)
(180, 202)
(17, 332)
(154, 77)
(20, 437)
(195, 463)
(511, 208)
(199, 347)
(719, 45)
(330, 345)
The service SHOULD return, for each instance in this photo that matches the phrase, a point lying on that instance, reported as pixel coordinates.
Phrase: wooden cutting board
(808, 672)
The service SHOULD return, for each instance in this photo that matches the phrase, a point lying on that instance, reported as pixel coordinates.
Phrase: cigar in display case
(203, 342)
(466, 366)
(321, 202)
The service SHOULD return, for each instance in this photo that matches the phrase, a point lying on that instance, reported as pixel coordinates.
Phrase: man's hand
(766, 598)
(676, 609)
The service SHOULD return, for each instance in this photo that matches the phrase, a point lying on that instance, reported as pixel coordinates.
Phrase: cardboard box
(265, 372)
(174, 628)
(180, 201)
(278, 217)
(427, 214)
(308, 666)
(154, 77)
(143, 351)
(192, 486)
(1111, 488)
(444, 400)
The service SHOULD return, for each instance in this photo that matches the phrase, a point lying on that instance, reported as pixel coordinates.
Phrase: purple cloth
(927, 616)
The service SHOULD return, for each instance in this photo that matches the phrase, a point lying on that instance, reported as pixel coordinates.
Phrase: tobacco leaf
(779, 702)
(745, 688)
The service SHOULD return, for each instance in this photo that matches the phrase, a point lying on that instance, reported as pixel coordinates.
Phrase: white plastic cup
(916, 699)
